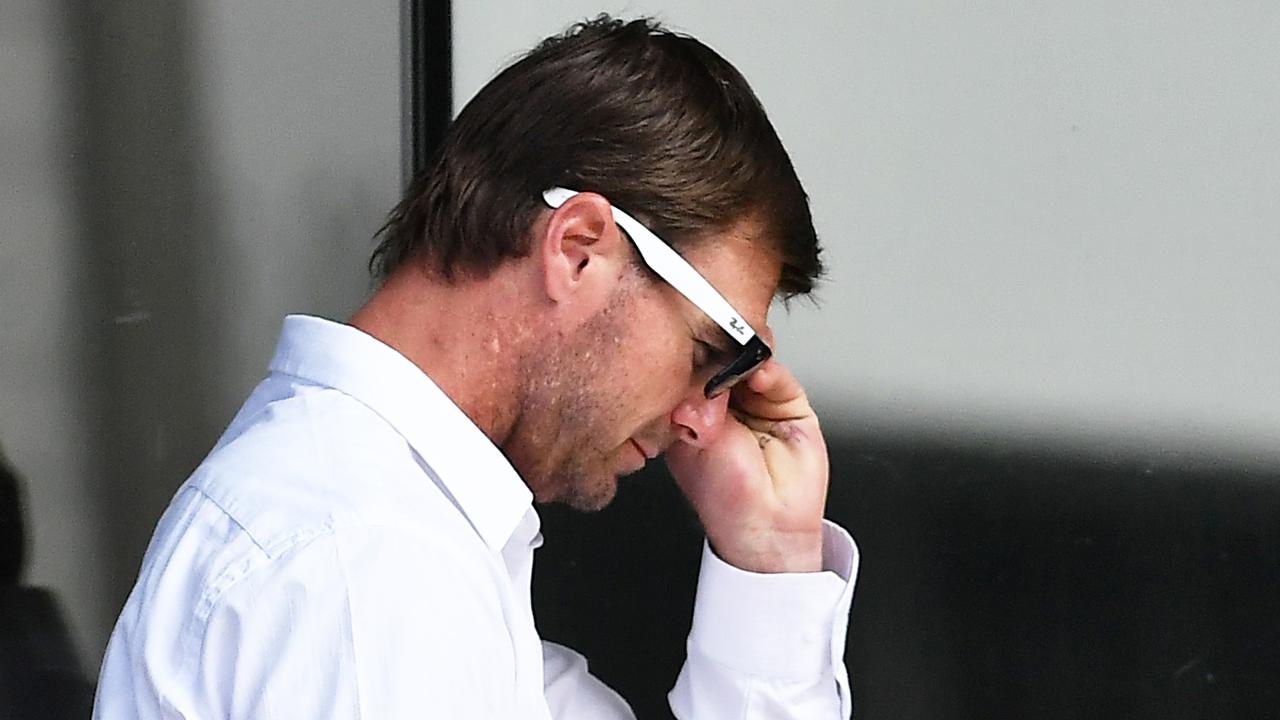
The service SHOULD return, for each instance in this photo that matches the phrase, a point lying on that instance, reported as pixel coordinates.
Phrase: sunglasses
(678, 273)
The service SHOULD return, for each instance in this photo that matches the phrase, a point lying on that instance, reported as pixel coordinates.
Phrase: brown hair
(653, 120)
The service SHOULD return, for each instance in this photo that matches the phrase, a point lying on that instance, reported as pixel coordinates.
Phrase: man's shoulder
(292, 477)
(290, 520)
(313, 461)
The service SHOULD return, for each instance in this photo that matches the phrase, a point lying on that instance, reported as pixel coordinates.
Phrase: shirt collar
(478, 476)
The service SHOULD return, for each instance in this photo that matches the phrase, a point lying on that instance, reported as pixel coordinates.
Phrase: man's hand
(760, 486)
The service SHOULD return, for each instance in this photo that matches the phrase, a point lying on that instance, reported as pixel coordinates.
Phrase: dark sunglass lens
(754, 353)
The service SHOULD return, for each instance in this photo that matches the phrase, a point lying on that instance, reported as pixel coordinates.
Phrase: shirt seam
(351, 623)
(209, 601)
(235, 573)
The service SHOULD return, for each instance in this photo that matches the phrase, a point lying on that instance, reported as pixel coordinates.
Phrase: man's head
(650, 122)
(654, 121)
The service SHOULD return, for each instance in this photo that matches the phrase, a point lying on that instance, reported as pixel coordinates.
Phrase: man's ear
(582, 253)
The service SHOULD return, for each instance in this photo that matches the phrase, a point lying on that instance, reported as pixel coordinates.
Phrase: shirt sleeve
(575, 694)
(770, 645)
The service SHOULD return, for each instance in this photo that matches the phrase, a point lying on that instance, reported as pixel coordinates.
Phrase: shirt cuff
(778, 625)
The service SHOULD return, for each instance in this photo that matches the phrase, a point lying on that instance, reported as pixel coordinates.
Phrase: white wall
(1050, 221)
(302, 104)
(43, 432)
(174, 178)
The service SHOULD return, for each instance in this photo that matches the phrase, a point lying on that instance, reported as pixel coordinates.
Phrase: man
(360, 541)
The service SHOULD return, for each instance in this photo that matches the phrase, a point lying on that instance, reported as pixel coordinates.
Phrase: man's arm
(769, 645)
(777, 580)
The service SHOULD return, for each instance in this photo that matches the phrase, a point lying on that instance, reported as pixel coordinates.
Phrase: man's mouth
(649, 451)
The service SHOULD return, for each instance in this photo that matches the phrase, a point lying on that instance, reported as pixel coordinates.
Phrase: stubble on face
(562, 442)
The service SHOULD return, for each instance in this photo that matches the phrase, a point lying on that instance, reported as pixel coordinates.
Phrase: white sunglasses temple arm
(674, 269)
(680, 274)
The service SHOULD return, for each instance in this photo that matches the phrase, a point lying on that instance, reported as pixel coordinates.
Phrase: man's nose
(698, 421)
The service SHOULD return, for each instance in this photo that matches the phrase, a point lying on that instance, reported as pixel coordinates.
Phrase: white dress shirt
(355, 547)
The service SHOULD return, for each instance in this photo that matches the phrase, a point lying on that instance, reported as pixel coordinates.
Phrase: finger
(786, 429)
(758, 425)
(772, 392)
(766, 334)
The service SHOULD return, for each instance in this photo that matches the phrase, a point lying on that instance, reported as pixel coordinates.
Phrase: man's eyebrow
(709, 333)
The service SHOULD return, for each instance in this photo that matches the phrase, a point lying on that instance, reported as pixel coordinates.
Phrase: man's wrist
(777, 553)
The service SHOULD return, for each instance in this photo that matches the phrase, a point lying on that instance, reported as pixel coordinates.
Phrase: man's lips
(649, 452)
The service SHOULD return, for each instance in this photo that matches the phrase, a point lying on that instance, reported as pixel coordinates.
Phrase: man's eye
(702, 355)
(708, 358)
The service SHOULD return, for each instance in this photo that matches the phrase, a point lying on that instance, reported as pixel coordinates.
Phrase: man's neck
(468, 336)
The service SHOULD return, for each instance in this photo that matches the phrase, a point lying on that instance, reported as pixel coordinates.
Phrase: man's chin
(590, 496)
